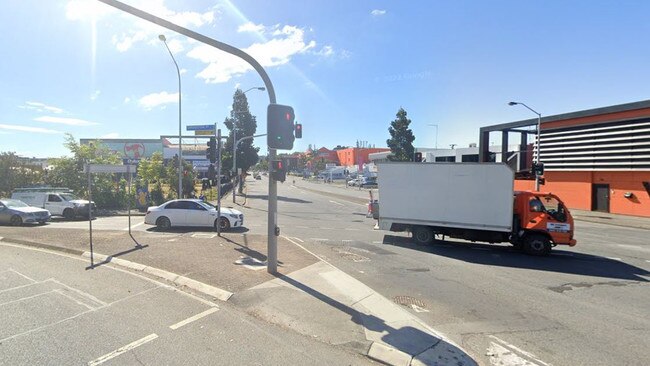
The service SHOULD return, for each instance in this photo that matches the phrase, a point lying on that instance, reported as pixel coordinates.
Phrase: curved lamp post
(180, 140)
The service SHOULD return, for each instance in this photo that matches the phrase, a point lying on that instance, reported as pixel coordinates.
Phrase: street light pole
(539, 142)
(235, 142)
(180, 140)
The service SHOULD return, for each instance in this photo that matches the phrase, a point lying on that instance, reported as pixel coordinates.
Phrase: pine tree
(401, 138)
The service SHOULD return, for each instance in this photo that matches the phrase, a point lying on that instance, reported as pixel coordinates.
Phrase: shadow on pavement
(560, 261)
(280, 198)
(407, 339)
(110, 257)
(247, 251)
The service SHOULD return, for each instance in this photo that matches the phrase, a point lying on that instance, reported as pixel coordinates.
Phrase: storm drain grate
(409, 301)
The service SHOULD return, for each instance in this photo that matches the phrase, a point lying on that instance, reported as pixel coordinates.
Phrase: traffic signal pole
(272, 264)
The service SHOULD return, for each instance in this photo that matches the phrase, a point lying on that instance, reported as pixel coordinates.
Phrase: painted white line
(378, 242)
(46, 326)
(193, 318)
(132, 226)
(351, 229)
(326, 228)
(60, 292)
(124, 349)
(517, 360)
(300, 240)
(303, 227)
(347, 241)
(647, 261)
(337, 203)
(26, 298)
(82, 293)
(22, 275)
(318, 239)
(614, 258)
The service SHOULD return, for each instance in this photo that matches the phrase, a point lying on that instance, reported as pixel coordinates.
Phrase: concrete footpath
(308, 295)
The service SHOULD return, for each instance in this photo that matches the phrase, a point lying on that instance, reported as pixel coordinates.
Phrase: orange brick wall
(575, 189)
(352, 156)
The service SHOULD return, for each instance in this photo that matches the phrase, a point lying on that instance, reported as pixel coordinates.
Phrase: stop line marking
(124, 349)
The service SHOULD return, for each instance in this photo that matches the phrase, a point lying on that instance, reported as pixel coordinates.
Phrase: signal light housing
(280, 127)
(211, 151)
(278, 171)
(298, 131)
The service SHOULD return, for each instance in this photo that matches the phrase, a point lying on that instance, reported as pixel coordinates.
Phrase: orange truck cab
(541, 221)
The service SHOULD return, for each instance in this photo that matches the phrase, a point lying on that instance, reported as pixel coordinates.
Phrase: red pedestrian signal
(298, 131)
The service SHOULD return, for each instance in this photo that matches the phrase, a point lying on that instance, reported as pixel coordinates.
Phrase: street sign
(204, 132)
(108, 168)
(200, 128)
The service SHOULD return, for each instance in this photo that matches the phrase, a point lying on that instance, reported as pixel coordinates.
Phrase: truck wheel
(16, 220)
(422, 235)
(68, 214)
(537, 244)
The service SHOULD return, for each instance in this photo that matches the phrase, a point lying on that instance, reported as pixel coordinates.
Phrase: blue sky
(82, 67)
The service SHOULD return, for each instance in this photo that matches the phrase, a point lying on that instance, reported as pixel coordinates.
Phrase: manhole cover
(409, 301)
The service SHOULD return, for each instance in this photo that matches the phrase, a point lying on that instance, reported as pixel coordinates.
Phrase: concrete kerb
(179, 280)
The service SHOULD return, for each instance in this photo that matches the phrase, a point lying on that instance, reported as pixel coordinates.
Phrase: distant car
(258, 177)
(16, 213)
(192, 212)
(353, 182)
(368, 183)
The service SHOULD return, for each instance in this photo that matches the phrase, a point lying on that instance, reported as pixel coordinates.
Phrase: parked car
(368, 183)
(192, 212)
(58, 201)
(16, 213)
(353, 182)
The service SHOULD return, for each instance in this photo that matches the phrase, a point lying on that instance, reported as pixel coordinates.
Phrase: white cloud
(377, 12)
(183, 71)
(156, 99)
(251, 27)
(65, 121)
(127, 100)
(95, 94)
(326, 51)
(29, 129)
(112, 135)
(289, 41)
(41, 107)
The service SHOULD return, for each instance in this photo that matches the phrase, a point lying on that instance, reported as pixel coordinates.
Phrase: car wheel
(223, 223)
(16, 220)
(537, 244)
(163, 223)
(423, 235)
(68, 214)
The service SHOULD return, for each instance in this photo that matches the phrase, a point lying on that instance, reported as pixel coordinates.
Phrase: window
(173, 205)
(470, 158)
(445, 159)
(195, 206)
(53, 198)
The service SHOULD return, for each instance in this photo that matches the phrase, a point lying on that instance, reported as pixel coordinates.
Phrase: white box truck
(59, 201)
(472, 201)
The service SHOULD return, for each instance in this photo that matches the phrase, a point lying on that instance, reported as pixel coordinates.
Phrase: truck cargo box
(460, 195)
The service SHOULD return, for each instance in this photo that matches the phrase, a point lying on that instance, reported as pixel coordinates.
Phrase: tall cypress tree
(401, 138)
(246, 125)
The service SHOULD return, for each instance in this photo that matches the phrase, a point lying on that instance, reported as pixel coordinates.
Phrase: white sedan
(192, 212)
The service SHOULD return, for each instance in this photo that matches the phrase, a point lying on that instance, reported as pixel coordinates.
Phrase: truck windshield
(554, 207)
(69, 196)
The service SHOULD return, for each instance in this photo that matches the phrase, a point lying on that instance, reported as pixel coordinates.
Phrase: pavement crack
(579, 285)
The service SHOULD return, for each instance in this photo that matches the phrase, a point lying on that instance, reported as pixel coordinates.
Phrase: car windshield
(14, 203)
(69, 196)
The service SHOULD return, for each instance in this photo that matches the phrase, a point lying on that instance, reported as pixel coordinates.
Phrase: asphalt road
(54, 312)
(587, 305)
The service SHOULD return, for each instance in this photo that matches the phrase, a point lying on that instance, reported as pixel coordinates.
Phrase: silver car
(16, 213)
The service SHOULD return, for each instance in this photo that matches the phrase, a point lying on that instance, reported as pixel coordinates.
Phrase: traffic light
(538, 169)
(280, 127)
(298, 130)
(278, 171)
(418, 157)
(211, 172)
(211, 151)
